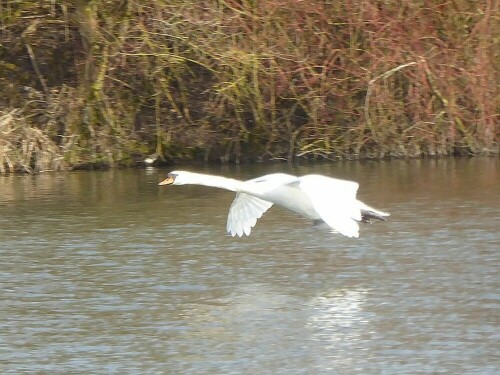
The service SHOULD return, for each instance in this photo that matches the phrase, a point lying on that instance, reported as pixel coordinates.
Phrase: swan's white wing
(244, 212)
(335, 202)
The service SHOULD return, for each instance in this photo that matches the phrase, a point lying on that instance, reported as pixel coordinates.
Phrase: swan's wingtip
(236, 233)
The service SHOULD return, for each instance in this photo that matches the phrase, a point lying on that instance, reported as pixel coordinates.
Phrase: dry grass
(25, 148)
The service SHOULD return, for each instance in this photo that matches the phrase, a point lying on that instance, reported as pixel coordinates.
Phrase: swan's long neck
(212, 181)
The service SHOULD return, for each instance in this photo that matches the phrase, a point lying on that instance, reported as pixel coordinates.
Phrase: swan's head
(177, 178)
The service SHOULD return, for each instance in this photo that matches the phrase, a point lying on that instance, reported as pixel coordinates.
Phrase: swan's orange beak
(168, 181)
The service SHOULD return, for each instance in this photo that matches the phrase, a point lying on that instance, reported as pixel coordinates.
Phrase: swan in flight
(320, 198)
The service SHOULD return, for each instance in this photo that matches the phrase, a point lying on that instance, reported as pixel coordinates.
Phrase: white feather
(244, 212)
(335, 202)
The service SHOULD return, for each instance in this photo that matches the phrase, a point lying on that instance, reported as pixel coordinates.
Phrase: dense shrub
(108, 82)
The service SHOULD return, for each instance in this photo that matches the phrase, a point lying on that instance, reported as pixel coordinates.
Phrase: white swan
(320, 198)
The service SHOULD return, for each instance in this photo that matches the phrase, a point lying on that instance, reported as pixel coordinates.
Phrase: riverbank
(113, 83)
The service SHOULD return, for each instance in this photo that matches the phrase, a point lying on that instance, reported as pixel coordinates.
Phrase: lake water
(108, 273)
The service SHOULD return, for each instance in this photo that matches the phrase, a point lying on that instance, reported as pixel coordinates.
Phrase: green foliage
(108, 82)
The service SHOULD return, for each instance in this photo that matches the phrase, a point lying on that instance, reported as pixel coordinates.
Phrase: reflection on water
(105, 272)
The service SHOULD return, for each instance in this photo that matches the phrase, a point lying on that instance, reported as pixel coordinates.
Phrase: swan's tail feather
(367, 216)
(368, 213)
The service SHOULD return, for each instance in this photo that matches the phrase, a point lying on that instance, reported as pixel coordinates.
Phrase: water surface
(106, 272)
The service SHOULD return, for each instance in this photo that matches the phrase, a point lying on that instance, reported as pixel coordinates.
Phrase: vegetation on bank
(108, 82)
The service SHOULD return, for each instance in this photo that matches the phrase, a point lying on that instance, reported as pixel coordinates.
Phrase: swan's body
(320, 198)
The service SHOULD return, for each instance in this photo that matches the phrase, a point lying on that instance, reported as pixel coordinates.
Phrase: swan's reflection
(265, 323)
(338, 316)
